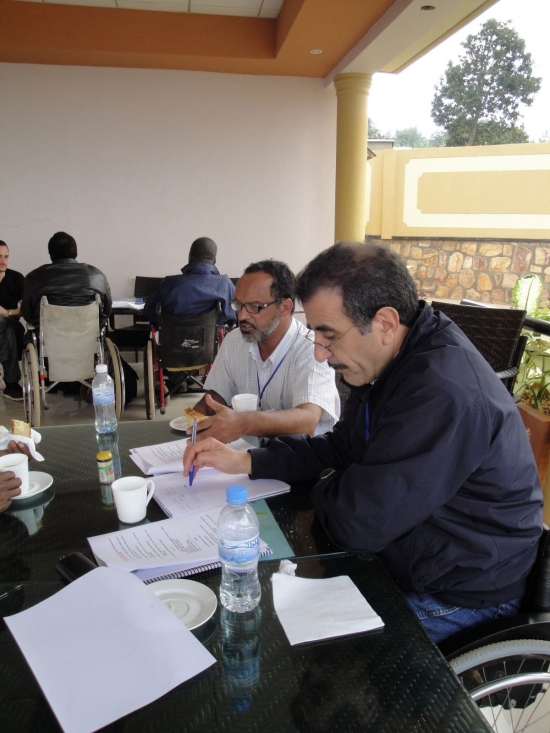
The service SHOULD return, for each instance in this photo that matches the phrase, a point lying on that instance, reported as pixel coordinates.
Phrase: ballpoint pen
(193, 441)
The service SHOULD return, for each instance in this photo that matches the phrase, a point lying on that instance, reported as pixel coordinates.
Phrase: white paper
(312, 608)
(175, 496)
(103, 647)
(155, 460)
(182, 541)
(128, 304)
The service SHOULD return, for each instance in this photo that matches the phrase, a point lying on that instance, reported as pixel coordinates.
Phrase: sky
(398, 101)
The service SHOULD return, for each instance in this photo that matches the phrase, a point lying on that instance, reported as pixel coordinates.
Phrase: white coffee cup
(19, 464)
(245, 402)
(132, 494)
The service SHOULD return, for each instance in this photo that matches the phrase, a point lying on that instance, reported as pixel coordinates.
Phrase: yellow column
(352, 90)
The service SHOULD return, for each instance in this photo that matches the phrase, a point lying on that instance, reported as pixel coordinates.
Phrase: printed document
(155, 460)
(175, 496)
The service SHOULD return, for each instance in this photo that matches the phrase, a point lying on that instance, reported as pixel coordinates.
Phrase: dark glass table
(384, 681)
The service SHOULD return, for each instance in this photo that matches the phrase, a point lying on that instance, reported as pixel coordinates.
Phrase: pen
(193, 441)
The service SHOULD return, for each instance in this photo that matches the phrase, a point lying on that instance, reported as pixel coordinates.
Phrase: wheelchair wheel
(149, 380)
(116, 372)
(510, 682)
(31, 386)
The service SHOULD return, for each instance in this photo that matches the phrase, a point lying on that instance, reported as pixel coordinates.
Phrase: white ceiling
(248, 8)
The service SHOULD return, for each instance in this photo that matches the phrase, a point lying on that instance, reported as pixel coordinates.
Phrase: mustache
(246, 323)
(337, 366)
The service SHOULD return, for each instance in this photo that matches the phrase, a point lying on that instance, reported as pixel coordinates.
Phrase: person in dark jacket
(64, 282)
(197, 289)
(431, 467)
(11, 330)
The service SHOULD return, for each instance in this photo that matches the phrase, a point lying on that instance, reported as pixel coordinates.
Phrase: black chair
(495, 332)
(136, 336)
(186, 346)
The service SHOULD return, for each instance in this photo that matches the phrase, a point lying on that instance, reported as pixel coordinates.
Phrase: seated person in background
(11, 330)
(431, 466)
(267, 355)
(9, 484)
(64, 282)
(196, 290)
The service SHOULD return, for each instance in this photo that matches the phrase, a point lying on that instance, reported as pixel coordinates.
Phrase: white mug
(19, 464)
(245, 402)
(131, 495)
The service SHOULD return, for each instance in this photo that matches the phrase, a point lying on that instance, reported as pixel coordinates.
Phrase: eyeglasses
(310, 335)
(253, 308)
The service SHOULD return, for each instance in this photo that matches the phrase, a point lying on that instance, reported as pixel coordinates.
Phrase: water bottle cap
(101, 368)
(236, 494)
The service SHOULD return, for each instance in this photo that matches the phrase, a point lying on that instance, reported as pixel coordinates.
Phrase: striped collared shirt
(299, 379)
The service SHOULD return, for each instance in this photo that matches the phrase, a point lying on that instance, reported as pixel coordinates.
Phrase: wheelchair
(182, 345)
(505, 664)
(71, 340)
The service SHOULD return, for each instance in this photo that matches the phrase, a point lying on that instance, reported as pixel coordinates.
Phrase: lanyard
(261, 391)
(367, 422)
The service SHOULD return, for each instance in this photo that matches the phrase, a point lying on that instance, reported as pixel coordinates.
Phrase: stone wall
(477, 269)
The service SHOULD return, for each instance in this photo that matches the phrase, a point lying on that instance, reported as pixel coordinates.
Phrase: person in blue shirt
(196, 290)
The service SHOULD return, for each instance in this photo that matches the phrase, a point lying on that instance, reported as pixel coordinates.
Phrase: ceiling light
(315, 51)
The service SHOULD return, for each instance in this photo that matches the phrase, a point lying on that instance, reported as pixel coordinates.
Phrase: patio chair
(495, 332)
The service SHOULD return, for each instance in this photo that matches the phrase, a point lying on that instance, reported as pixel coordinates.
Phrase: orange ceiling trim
(44, 33)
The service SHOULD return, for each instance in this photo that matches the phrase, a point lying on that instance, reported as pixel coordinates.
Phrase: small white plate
(179, 423)
(193, 603)
(38, 482)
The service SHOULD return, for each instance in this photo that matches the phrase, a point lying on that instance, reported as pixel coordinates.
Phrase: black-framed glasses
(253, 308)
(310, 335)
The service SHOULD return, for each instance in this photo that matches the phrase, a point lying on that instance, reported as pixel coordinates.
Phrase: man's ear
(387, 323)
(286, 306)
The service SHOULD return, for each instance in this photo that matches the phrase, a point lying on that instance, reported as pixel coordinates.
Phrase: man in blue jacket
(431, 467)
(196, 290)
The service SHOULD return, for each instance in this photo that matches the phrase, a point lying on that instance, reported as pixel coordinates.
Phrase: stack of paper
(155, 460)
(175, 496)
(173, 548)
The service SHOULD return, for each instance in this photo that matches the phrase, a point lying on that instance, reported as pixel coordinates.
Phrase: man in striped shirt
(268, 355)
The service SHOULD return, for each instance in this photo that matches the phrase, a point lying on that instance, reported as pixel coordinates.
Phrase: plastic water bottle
(103, 391)
(239, 549)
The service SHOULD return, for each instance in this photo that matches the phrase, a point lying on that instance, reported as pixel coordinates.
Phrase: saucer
(179, 423)
(193, 603)
(38, 482)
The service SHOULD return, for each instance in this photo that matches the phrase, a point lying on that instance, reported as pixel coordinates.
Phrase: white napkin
(6, 436)
(311, 609)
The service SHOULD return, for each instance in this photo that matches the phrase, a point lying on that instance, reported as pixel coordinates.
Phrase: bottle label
(106, 472)
(239, 550)
(103, 397)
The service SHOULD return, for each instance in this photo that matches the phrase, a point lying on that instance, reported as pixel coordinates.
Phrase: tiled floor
(72, 410)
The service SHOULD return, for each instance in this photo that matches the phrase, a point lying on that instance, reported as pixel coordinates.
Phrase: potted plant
(533, 380)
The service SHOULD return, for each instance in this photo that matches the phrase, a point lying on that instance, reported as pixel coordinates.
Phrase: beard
(256, 336)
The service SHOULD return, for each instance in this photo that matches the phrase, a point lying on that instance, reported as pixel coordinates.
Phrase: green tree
(484, 90)
(410, 137)
(438, 140)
